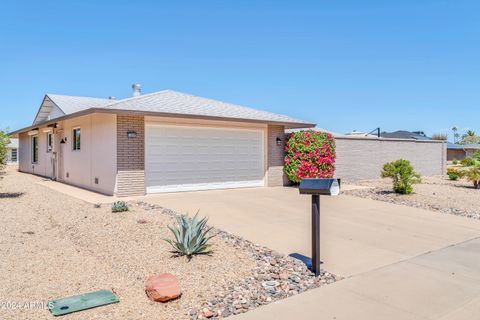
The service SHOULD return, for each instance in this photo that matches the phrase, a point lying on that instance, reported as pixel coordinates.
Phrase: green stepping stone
(81, 302)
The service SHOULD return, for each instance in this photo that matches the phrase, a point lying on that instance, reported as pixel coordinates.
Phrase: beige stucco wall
(359, 158)
(96, 158)
(43, 167)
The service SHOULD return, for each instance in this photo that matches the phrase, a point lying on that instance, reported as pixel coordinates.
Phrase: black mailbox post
(317, 187)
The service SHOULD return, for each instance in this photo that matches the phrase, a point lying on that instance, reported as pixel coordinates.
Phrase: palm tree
(470, 133)
(456, 136)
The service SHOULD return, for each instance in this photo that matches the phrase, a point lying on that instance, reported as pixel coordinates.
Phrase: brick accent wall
(276, 155)
(130, 156)
(359, 159)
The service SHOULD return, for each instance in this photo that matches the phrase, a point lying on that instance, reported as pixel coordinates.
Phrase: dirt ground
(434, 193)
(54, 246)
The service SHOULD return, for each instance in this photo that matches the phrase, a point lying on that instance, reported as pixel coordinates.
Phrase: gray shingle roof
(72, 104)
(173, 102)
(166, 102)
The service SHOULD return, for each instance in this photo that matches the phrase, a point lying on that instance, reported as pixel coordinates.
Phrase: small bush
(309, 154)
(97, 205)
(455, 161)
(473, 174)
(119, 206)
(191, 236)
(467, 162)
(476, 156)
(453, 174)
(403, 175)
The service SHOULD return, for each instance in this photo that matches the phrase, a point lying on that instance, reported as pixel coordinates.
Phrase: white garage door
(185, 158)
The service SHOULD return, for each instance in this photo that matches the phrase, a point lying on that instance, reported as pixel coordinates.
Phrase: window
(76, 139)
(49, 142)
(34, 149)
(14, 155)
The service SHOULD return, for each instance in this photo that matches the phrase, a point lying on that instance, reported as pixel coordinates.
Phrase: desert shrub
(309, 154)
(455, 161)
(191, 236)
(119, 206)
(4, 141)
(403, 175)
(473, 174)
(454, 174)
(476, 156)
(467, 162)
(440, 136)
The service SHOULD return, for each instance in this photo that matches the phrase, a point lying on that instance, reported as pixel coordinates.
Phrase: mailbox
(328, 187)
(317, 187)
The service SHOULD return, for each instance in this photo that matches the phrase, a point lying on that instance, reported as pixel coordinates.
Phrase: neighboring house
(12, 152)
(461, 151)
(165, 141)
(403, 134)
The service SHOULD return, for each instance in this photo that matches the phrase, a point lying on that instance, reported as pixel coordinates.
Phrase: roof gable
(55, 106)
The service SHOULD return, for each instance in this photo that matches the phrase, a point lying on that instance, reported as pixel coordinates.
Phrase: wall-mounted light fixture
(279, 141)
(131, 134)
(63, 140)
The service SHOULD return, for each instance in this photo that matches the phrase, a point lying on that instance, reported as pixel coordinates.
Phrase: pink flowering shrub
(309, 154)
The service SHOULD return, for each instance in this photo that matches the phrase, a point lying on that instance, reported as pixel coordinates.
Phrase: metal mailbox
(317, 187)
(329, 187)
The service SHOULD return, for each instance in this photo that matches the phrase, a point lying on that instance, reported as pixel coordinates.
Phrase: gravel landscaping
(54, 246)
(436, 193)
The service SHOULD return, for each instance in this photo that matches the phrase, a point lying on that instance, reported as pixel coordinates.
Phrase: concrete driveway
(357, 235)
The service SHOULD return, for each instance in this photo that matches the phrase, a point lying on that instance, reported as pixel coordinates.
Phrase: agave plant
(119, 206)
(191, 236)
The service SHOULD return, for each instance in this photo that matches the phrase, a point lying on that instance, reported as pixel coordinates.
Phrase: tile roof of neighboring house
(454, 146)
(403, 134)
(166, 102)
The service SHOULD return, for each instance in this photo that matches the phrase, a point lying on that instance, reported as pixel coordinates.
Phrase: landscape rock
(162, 287)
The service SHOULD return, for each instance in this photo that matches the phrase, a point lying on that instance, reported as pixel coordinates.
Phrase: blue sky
(343, 64)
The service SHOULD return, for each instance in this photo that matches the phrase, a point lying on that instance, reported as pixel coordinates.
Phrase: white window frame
(73, 139)
(49, 142)
(32, 145)
(12, 152)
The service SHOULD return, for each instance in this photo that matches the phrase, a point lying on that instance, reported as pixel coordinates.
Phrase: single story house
(404, 134)
(12, 152)
(165, 141)
(461, 151)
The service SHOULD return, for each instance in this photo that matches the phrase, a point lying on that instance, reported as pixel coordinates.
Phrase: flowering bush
(309, 154)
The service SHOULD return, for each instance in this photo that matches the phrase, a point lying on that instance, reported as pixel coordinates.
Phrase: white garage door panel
(196, 158)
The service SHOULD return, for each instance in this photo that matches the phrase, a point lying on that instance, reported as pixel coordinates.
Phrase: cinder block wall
(130, 156)
(363, 158)
(276, 155)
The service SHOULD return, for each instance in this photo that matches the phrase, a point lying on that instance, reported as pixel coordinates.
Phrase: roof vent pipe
(112, 98)
(137, 89)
